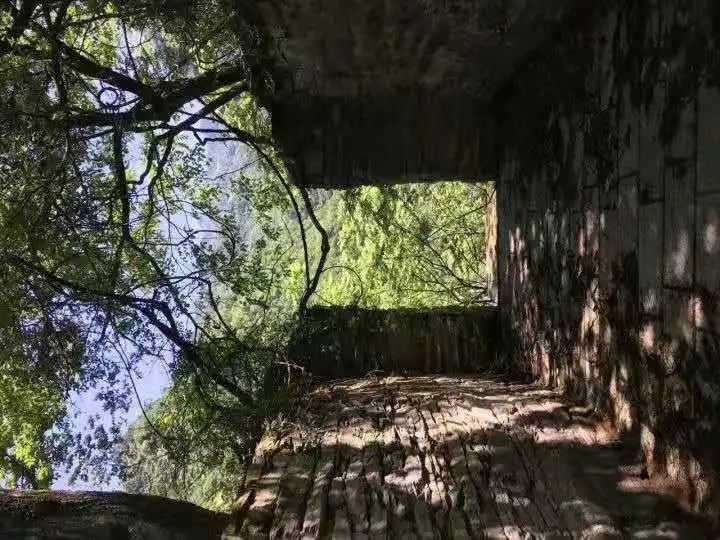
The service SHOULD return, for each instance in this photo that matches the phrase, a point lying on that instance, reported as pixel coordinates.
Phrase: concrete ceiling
(346, 48)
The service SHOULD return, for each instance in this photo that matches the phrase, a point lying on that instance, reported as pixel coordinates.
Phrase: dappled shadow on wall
(631, 332)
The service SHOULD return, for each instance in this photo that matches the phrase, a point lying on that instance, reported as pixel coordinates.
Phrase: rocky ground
(65, 515)
(450, 457)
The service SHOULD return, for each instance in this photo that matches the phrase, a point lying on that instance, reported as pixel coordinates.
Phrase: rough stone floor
(450, 457)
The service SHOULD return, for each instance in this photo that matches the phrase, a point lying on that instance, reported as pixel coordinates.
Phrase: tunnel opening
(409, 284)
(411, 245)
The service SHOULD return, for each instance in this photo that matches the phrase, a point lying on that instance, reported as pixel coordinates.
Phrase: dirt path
(448, 457)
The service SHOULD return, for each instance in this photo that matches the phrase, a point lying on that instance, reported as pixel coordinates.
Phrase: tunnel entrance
(412, 245)
(597, 275)
(409, 283)
(603, 140)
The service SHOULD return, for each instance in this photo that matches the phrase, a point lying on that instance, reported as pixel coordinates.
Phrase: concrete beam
(344, 142)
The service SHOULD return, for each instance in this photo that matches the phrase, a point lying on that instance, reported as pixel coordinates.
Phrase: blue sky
(154, 376)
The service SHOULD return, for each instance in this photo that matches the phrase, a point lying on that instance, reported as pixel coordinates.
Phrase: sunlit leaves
(121, 245)
(30, 403)
(416, 245)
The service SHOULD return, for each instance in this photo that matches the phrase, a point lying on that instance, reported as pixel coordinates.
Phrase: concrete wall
(609, 226)
(344, 342)
(354, 48)
(606, 146)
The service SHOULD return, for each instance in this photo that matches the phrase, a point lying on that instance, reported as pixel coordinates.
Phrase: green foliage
(28, 408)
(414, 245)
(189, 448)
(32, 398)
(153, 462)
(118, 245)
(42, 341)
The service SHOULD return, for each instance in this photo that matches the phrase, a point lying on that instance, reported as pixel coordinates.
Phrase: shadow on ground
(452, 457)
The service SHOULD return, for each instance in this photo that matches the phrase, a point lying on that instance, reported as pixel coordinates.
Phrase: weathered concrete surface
(346, 342)
(605, 144)
(609, 238)
(34, 515)
(382, 47)
(386, 90)
(409, 136)
(491, 242)
(448, 457)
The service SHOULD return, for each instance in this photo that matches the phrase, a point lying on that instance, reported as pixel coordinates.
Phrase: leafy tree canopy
(113, 235)
(119, 243)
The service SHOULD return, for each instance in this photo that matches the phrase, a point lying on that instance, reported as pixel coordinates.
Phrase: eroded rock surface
(450, 457)
(54, 515)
